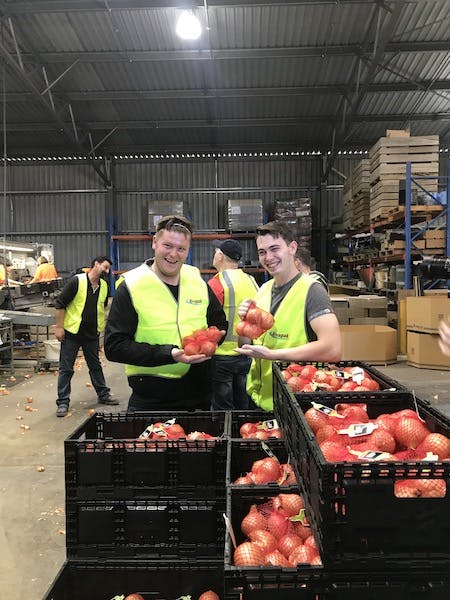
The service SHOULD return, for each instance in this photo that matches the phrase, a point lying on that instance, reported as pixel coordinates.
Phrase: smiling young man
(156, 305)
(305, 328)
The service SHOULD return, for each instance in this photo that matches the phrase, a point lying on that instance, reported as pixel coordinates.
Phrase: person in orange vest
(231, 286)
(45, 271)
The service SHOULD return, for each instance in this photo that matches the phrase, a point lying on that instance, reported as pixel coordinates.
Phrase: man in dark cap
(231, 286)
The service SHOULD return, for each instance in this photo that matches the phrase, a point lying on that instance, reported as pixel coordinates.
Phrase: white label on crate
(268, 451)
(268, 425)
(328, 410)
(358, 375)
(371, 455)
(357, 429)
(301, 517)
(235, 210)
(339, 374)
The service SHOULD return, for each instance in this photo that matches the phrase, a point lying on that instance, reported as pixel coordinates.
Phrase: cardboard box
(424, 351)
(368, 320)
(339, 303)
(374, 344)
(423, 313)
(367, 306)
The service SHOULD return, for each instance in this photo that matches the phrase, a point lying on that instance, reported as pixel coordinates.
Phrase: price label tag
(269, 425)
(431, 456)
(301, 518)
(371, 455)
(358, 375)
(268, 451)
(327, 410)
(357, 429)
(146, 433)
(339, 374)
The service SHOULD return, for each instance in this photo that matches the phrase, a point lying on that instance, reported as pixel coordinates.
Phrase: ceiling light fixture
(188, 26)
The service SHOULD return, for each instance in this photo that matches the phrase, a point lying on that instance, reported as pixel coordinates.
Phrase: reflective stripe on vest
(237, 286)
(289, 330)
(74, 310)
(163, 320)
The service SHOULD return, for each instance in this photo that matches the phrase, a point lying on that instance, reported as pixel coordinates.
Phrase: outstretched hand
(255, 351)
(192, 359)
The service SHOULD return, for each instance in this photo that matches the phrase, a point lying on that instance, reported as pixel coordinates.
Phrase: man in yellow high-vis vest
(155, 306)
(80, 318)
(231, 286)
(305, 328)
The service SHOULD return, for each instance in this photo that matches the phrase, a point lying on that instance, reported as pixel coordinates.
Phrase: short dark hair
(101, 259)
(276, 229)
(304, 255)
(174, 223)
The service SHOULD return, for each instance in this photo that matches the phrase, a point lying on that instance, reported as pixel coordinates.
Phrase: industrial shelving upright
(409, 236)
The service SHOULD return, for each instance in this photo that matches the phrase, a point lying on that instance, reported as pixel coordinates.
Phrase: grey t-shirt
(318, 302)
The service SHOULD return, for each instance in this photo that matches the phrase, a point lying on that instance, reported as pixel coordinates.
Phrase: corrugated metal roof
(266, 55)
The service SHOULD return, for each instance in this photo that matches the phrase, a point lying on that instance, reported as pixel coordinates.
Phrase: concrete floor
(32, 519)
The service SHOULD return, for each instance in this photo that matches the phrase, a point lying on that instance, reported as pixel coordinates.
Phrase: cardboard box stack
(160, 208)
(348, 214)
(364, 331)
(361, 193)
(388, 158)
(423, 314)
(245, 214)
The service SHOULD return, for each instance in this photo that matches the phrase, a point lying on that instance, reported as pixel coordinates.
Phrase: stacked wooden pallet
(361, 193)
(348, 214)
(388, 158)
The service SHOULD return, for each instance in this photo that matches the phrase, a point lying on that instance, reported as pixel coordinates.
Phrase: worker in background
(156, 305)
(80, 318)
(45, 271)
(231, 286)
(305, 328)
(304, 263)
(5, 271)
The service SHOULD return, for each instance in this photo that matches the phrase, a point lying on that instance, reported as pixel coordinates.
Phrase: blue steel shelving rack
(409, 237)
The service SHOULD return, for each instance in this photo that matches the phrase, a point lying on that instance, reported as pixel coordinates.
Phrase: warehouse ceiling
(97, 77)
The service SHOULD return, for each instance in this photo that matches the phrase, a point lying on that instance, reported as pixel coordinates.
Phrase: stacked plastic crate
(375, 539)
(144, 514)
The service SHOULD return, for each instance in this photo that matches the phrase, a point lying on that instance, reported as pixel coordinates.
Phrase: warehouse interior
(304, 111)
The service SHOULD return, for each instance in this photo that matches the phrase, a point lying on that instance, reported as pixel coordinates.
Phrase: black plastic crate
(104, 459)
(239, 417)
(165, 528)
(118, 426)
(353, 508)
(388, 387)
(94, 581)
(307, 584)
(243, 453)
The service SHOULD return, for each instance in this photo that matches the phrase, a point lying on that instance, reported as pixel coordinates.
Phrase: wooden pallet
(398, 171)
(415, 141)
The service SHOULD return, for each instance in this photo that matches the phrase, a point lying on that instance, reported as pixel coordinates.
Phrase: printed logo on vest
(279, 336)
(193, 301)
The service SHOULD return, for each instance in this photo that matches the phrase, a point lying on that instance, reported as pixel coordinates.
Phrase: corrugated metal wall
(67, 205)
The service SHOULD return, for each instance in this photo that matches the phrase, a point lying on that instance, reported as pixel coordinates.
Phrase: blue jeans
(69, 350)
(229, 382)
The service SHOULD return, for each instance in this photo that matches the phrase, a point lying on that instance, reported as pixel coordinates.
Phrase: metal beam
(51, 6)
(382, 39)
(314, 90)
(222, 123)
(234, 54)
(57, 123)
